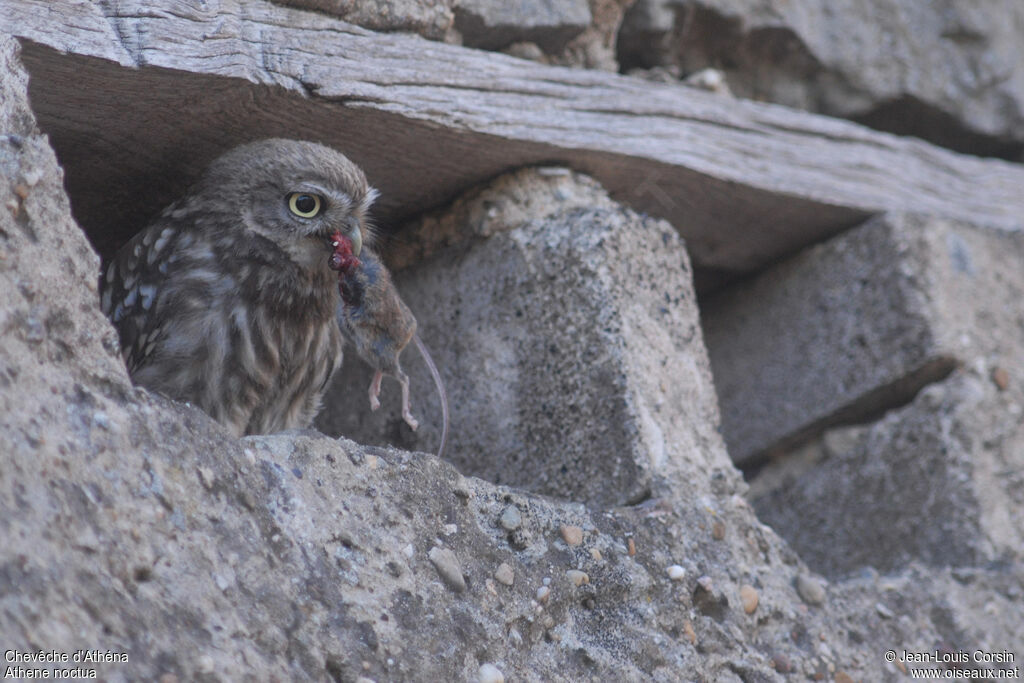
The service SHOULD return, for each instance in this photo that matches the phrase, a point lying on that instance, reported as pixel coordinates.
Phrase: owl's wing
(131, 288)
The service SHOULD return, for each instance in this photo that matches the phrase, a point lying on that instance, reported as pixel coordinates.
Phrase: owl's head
(294, 193)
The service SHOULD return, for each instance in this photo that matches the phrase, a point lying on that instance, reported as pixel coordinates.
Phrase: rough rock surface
(645, 37)
(949, 72)
(134, 526)
(429, 18)
(580, 33)
(859, 323)
(939, 480)
(594, 48)
(551, 24)
(567, 331)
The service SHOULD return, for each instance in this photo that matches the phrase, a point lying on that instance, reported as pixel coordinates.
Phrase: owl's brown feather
(226, 300)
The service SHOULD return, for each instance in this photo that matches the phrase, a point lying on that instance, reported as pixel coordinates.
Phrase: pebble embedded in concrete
(489, 673)
(675, 572)
(691, 634)
(206, 477)
(510, 519)
(810, 590)
(572, 535)
(781, 663)
(504, 574)
(749, 598)
(576, 577)
(206, 664)
(447, 566)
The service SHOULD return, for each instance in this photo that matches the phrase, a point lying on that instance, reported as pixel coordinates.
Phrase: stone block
(494, 24)
(939, 478)
(566, 329)
(430, 18)
(939, 481)
(854, 326)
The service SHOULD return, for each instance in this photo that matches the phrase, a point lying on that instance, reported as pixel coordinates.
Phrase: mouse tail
(442, 393)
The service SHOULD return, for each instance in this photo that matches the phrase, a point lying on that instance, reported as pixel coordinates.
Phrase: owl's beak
(353, 230)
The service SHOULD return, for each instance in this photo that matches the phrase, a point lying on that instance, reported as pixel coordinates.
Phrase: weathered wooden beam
(137, 96)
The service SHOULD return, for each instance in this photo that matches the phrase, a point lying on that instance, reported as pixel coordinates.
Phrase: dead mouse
(379, 324)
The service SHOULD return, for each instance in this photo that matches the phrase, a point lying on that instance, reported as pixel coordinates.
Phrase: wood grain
(138, 96)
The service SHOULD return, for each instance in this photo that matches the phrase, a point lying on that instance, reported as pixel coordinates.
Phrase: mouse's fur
(380, 325)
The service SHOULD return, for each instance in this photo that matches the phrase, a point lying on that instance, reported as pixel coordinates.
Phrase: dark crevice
(640, 498)
(910, 116)
(866, 409)
(476, 33)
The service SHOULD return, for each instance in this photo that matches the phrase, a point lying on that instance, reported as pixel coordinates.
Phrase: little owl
(227, 301)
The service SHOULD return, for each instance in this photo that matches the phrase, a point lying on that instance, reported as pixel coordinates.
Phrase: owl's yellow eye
(304, 205)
